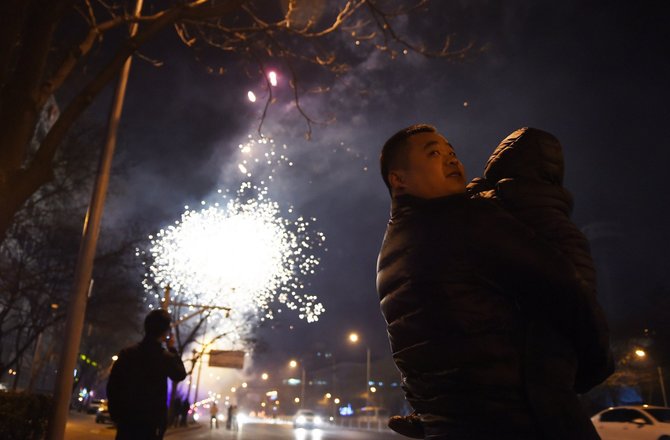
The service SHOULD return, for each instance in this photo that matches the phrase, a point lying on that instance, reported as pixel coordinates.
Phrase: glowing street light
(265, 376)
(272, 76)
(353, 337)
(328, 395)
(337, 401)
(251, 95)
(293, 363)
(115, 358)
(640, 353)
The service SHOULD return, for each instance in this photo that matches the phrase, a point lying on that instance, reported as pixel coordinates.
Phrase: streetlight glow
(293, 363)
(353, 337)
(337, 400)
(115, 358)
(328, 395)
(251, 95)
(640, 353)
(265, 376)
(272, 76)
(297, 400)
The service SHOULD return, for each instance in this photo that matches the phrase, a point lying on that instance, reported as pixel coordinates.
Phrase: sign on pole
(226, 359)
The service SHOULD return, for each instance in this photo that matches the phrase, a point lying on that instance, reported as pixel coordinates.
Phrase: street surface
(83, 427)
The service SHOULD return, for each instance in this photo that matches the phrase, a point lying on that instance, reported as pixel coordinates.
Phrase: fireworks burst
(240, 252)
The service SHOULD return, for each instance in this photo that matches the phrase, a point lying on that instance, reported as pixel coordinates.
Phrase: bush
(24, 416)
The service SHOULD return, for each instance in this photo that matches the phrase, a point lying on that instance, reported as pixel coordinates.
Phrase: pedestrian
(460, 282)
(229, 419)
(213, 416)
(185, 406)
(233, 417)
(137, 386)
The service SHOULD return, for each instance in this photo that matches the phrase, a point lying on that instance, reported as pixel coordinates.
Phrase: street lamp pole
(302, 383)
(84, 269)
(662, 383)
(367, 377)
(354, 338)
(293, 364)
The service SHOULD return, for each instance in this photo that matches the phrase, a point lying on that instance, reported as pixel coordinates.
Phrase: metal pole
(202, 355)
(166, 298)
(367, 382)
(84, 269)
(367, 377)
(660, 380)
(302, 390)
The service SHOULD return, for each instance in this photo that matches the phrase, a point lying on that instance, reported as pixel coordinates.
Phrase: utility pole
(367, 378)
(662, 383)
(302, 382)
(77, 308)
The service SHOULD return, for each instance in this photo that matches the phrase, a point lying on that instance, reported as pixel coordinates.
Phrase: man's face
(432, 169)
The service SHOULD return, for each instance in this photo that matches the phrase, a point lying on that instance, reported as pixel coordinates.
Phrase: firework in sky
(241, 252)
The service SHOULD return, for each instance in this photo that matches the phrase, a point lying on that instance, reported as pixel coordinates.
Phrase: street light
(293, 364)
(642, 354)
(354, 338)
(265, 376)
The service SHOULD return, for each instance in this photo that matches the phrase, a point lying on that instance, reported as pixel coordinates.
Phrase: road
(83, 427)
(263, 431)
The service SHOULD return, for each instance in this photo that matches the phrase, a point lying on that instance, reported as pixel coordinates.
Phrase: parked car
(306, 418)
(102, 416)
(635, 422)
(93, 405)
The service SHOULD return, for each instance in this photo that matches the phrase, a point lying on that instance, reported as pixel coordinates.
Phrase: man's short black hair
(156, 323)
(394, 150)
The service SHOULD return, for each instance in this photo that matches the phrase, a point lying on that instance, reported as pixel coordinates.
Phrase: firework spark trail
(240, 252)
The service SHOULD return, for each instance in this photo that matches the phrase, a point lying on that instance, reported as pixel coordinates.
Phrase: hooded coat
(525, 173)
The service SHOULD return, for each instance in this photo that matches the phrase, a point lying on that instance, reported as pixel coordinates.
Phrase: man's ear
(397, 180)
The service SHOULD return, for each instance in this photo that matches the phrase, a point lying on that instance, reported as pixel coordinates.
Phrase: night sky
(595, 74)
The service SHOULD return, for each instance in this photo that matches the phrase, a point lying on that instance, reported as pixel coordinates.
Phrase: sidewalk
(181, 429)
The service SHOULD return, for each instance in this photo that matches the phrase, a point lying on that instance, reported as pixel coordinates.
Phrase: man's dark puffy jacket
(137, 386)
(457, 278)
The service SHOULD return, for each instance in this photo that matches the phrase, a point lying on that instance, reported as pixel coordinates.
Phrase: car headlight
(300, 420)
(318, 420)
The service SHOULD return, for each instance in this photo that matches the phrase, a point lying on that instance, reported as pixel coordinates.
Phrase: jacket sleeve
(116, 387)
(175, 367)
(550, 286)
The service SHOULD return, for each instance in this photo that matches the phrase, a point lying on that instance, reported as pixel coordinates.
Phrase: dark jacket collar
(405, 203)
(149, 342)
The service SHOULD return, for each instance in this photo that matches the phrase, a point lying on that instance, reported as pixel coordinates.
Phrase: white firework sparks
(240, 253)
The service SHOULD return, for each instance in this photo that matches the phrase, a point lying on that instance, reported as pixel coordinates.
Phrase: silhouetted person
(473, 300)
(183, 415)
(137, 386)
(213, 416)
(231, 421)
